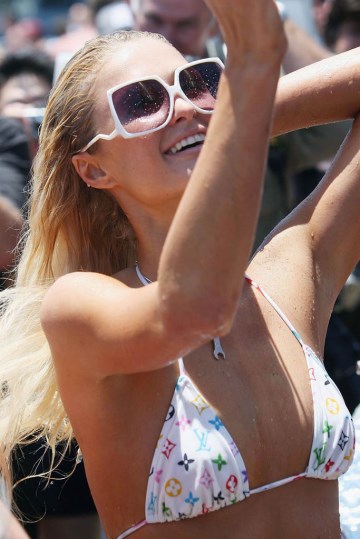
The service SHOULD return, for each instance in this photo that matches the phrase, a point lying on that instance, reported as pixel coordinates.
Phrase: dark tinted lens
(200, 84)
(142, 105)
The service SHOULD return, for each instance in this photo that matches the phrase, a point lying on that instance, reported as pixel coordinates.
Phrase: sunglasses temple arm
(111, 136)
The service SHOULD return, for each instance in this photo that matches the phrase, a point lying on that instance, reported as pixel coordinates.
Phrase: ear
(90, 171)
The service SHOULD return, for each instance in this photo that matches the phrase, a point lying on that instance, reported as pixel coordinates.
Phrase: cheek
(139, 159)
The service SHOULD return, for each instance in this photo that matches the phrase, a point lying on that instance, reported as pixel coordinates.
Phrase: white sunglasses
(145, 105)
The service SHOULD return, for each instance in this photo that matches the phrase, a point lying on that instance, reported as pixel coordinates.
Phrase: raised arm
(210, 236)
(323, 92)
(318, 244)
(333, 230)
(213, 230)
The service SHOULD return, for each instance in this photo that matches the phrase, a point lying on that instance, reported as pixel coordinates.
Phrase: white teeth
(186, 142)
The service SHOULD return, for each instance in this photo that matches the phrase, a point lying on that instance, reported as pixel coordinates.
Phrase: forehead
(174, 9)
(135, 59)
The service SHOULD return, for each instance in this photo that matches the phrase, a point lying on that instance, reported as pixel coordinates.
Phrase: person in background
(86, 20)
(21, 34)
(26, 78)
(187, 24)
(113, 16)
(25, 83)
(190, 27)
(79, 28)
(321, 10)
(342, 28)
(15, 163)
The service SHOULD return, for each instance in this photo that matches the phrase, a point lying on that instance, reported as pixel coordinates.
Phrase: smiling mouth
(186, 143)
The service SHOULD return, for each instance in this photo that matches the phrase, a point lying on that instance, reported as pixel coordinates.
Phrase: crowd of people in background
(30, 60)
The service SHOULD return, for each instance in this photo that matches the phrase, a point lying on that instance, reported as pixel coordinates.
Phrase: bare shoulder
(81, 313)
(74, 295)
(107, 326)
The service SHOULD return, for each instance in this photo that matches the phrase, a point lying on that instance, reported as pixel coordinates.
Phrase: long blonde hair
(69, 228)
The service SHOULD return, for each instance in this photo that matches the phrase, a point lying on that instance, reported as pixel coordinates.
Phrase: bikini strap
(182, 370)
(144, 280)
(133, 529)
(276, 308)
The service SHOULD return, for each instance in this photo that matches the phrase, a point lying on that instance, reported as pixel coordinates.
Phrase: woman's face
(146, 168)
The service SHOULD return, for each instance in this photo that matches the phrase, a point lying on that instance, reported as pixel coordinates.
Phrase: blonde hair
(69, 228)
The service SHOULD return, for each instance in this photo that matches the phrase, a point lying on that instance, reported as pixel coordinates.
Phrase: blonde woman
(198, 397)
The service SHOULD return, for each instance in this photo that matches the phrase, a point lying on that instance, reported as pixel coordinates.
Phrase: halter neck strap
(276, 309)
(144, 280)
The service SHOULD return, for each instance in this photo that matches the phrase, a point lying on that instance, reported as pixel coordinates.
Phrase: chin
(185, 171)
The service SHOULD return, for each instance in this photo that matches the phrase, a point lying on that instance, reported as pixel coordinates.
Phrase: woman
(146, 231)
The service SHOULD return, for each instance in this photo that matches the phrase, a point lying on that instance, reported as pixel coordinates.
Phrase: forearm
(210, 240)
(321, 93)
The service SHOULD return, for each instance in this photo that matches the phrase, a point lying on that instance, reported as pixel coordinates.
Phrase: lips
(186, 142)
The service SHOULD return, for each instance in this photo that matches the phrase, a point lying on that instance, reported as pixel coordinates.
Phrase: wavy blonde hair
(69, 228)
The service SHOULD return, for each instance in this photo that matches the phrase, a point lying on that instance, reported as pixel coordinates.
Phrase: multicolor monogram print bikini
(197, 467)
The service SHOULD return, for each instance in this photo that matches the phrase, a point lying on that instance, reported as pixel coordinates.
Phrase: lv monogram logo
(202, 437)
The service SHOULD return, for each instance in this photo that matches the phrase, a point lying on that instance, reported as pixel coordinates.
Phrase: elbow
(202, 316)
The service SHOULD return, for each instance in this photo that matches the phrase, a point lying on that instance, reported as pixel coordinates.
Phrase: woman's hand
(252, 30)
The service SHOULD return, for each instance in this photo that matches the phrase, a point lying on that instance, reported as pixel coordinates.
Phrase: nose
(182, 110)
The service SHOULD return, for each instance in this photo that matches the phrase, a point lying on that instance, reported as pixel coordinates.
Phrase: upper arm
(326, 227)
(334, 213)
(318, 94)
(96, 322)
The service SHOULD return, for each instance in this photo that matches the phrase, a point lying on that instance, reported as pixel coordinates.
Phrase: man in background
(25, 83)
(187, 24)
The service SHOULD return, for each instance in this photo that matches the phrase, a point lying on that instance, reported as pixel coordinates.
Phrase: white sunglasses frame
(173, 90)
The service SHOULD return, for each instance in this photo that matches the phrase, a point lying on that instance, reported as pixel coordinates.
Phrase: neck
(150, 243)
(150, 225)
(148, 262)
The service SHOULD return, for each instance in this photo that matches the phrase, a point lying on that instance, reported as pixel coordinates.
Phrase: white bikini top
(197, 467)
